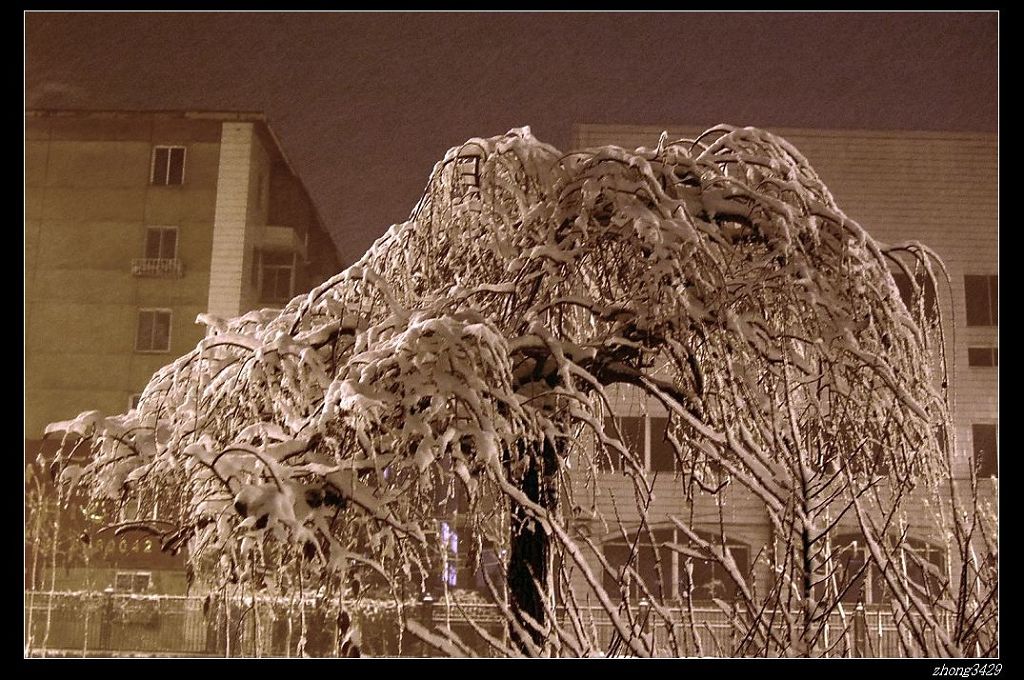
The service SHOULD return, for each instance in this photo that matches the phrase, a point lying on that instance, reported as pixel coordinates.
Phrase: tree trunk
(530, 549)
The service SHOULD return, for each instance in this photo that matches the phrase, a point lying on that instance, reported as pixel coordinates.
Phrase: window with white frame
(982, 356)
(638, 568)
(985, 440)
(922, 286)
(867, 585)
(981, 297)
(133, 581)
(153, 332)
(168, 166)
(161, 243)
(646, 436)
(274, 275)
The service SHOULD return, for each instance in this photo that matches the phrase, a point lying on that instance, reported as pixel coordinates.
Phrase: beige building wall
(88, 204)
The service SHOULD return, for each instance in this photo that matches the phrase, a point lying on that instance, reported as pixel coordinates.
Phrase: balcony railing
(157, 267)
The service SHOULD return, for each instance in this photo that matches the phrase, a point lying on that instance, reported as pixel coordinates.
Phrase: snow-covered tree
(466, 365)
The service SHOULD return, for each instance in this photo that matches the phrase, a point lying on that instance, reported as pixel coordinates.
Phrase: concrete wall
(88, 204)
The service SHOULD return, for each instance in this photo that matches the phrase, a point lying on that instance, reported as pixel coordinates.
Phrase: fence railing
(157, 267)
(866, 632)
(88, 624)
(124, 624)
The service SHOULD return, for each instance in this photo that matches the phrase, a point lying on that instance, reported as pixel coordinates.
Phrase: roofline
(199, 114)
(655, 130)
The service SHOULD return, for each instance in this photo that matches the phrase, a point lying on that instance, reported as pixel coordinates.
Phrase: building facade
(135, 223)
(936, 188)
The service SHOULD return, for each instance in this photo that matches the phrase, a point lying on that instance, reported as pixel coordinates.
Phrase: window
(454, 566)
(131, 510)
(262, 190)
(466, 177)
(254, 273)
(642, 568)
(662, 455)
(154, 331)
(161, 243)
(646, 436)
(850, 553)
(168, 165)
(450, 496)
(982, 300)
(678, 572)
(856, 583)
(985, 449)
(491, 571)
(870, 459)
(132, 581)
(917, 555)
(631, 429)
(710, 580)
(925, 287)
(274, 273)
(940, 434)
(133, 401)
(160, 254)
(982, 356)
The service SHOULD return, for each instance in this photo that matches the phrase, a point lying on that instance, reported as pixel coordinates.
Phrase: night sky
(364, 104)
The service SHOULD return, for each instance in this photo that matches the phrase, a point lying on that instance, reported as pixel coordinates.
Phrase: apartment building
(135, 223)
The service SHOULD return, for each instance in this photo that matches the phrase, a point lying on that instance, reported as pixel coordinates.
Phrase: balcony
(281, 239)
(154, 267)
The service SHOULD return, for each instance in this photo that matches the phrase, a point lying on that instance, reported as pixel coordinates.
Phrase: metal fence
(120, 624)
(96, 624)
(864, 632)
